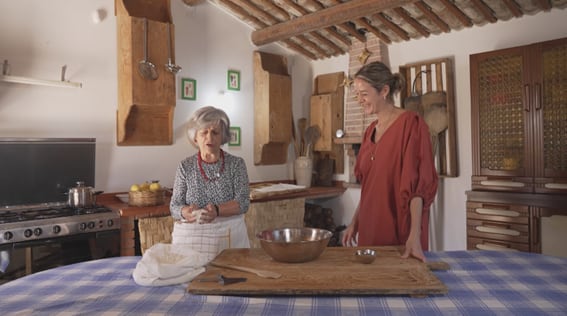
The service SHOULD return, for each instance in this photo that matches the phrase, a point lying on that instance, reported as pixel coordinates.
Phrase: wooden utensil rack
(436, 75)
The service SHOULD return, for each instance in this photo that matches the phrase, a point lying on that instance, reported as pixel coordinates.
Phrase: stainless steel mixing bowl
(294, 245)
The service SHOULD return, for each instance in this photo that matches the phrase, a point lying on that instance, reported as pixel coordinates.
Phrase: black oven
(37, 174)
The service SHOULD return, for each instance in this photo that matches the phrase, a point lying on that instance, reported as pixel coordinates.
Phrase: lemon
(144, 186)
(135, 188)
(155, 186)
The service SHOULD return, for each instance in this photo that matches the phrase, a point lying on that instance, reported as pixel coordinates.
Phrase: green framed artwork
(233, 80)
(188, 89)
(234, 136)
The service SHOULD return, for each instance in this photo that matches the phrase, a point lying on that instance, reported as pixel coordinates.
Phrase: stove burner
(37, 214)
(50, 222)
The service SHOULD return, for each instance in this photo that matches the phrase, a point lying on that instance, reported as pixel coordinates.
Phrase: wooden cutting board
(335, 272)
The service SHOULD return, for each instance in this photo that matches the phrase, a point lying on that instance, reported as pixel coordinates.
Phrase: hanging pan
(146, 69)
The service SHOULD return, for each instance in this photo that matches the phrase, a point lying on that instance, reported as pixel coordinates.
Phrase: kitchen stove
(20, 227)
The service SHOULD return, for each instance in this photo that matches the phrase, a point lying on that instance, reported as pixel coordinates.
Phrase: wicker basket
(146, 198)
(154, 230)
(273, 214)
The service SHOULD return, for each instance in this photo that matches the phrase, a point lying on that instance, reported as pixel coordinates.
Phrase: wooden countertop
(111, 201)
(310, 193)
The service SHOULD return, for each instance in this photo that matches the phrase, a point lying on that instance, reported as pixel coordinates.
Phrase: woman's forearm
(416, 209)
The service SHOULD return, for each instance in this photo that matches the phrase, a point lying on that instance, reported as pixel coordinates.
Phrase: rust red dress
(403, 168)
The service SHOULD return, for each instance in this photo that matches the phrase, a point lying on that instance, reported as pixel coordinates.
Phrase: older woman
(211, 190)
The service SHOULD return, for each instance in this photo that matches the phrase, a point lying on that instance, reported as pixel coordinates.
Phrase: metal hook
(418, 75)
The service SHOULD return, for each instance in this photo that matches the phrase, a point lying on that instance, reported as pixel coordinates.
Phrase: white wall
(449, 218)
(38, 37)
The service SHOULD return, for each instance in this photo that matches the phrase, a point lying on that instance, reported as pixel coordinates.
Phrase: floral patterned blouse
(216, 183)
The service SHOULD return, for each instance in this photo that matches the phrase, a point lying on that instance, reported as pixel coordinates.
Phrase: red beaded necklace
(203, 174)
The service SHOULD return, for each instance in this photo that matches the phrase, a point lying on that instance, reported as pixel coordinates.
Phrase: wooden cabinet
(145, 106)
(519, 138)
(509, 221)
(326, 111)
(272, 109)
(519, 118)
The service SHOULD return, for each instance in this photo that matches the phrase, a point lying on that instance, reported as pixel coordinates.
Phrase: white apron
(211, 238)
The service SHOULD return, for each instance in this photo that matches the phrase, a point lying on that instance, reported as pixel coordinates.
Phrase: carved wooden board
(335, 272)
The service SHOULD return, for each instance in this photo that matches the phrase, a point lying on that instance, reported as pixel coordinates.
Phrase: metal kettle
(82, 196)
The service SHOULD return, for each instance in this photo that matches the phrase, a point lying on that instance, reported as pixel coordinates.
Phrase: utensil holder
(303, 169)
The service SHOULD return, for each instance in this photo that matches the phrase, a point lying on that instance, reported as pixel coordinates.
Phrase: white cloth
(168, 264)
(212, 238)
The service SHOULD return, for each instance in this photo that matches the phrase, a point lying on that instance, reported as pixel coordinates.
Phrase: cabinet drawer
(506, 213)
(498, 231)
(489, 244)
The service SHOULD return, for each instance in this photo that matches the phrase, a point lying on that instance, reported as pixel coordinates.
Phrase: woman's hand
(349, 235)
(413, 248)
(210, 214)
(187, 213)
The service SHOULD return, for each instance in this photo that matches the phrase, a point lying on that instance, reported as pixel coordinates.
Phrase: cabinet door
(502, 152)
(549, 113)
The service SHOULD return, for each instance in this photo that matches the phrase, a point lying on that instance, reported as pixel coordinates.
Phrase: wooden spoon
(301, 126)
(258, 272)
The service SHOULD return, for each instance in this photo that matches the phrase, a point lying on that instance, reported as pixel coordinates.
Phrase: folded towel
(168, 264)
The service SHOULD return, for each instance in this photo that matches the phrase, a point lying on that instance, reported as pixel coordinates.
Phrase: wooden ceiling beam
(291, 45)
(465, 20)
(543, 4)
(396, 29)
(373, 30)
(243, 14)
(411, 21)
(432, 16)
(301, 11)
(349, 28)
(352, 31)
(283, 13)
(484, 10)
(514, 8)
(327, 17)
(259, 12)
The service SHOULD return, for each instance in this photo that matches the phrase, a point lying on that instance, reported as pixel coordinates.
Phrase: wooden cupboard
(519, 139)
(326, 111)
(272, 109)
(519, 118)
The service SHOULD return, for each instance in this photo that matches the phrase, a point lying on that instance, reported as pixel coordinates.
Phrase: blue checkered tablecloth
(479, 282)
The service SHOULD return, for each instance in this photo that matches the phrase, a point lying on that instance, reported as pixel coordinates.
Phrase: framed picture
(188, 89)
(233, 80)
(234, 136)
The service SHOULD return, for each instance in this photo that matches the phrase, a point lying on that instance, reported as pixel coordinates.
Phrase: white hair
(206, 117)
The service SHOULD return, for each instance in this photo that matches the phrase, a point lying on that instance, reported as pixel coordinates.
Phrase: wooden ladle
(261, 273)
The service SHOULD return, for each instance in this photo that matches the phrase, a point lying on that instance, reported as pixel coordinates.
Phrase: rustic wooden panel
(272, 109)
(327, 111)
(145, 107)
(430, 91)
(335, 272)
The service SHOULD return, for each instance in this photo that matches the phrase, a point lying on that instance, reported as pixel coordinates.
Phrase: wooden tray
(335, 272)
